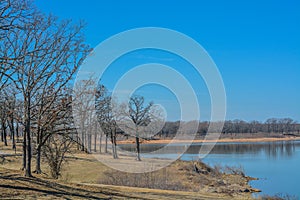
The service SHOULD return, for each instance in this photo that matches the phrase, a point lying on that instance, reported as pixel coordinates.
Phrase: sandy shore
(224, 140)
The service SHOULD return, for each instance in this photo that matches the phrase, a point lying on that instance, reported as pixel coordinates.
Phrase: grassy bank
(84, 177)
(223, 140)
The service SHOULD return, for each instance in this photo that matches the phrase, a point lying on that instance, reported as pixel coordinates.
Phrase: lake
(276, 164)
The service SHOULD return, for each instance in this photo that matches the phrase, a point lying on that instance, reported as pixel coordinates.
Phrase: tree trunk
(14, 142)
(3, 132)
(89, 144)
(78, 142)
(28, 153)
(100, 143)
(113, 150)
(95, 142)
(137, 141)
(106, 138)
(39, 136)
(82, 140)
(12, 133)
(17, 131)
(38, 169)
(24, 151)
(114, 144)
(28, 138)
(82, 135)
(115, 147)
(4, 136)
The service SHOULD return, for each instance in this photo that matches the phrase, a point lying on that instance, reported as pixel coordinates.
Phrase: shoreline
(224, 140)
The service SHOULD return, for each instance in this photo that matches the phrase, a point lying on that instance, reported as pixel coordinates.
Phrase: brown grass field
(15, 186)
(82, 174)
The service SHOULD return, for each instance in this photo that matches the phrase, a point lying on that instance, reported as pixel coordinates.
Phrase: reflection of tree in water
(270, 149)
(147, 148)
(287, 149)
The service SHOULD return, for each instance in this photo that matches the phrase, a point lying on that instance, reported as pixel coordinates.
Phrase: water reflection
(270, 149)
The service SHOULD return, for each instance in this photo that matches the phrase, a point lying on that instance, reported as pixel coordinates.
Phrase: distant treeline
(272, 125)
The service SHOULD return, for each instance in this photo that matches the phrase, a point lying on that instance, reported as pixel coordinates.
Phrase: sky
(255, 45)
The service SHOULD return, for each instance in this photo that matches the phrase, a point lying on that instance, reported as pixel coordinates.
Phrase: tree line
(279, 126)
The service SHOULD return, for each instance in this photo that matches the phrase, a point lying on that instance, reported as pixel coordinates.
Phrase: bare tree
(55, 149)
(107, 117)
(83, 107)
(139, 113)
(52, 113)
(58, 140)
(50, 53)
(102, 107)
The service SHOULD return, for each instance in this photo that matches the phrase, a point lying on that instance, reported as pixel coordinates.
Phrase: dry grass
(182, 176)
(82, 172)
(14, 186)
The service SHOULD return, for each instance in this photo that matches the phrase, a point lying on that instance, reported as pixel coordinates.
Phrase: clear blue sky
(255, 44)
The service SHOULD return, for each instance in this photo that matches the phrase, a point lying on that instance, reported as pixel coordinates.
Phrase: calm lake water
(276, 164)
